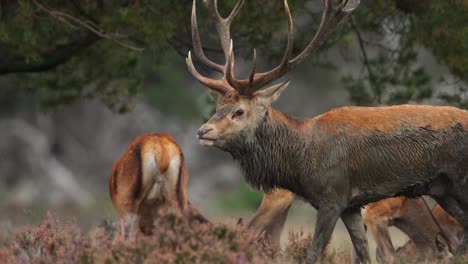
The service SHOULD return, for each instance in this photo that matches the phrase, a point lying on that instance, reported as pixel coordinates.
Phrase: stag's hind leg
(461, 201)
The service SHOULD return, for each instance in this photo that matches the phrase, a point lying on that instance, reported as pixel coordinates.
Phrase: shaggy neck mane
(272, 156)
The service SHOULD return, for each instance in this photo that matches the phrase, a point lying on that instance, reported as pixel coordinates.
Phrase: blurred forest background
(80, 79)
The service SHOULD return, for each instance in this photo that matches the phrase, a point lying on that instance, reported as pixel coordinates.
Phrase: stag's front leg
(271, 215)
(327, 216)
(355, 225)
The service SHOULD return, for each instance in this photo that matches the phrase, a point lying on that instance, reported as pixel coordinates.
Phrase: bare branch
(69, 19)
(363, 50)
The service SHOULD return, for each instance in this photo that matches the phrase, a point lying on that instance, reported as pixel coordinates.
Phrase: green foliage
(444, 30)
(166, 87)
(392, 73)
(63, 51)
(459, 97)
(74, 49)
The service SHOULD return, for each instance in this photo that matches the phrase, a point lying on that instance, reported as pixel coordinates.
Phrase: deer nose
(202, 131)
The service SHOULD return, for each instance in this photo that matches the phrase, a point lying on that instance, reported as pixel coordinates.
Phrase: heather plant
(298, 245)
(174, 240)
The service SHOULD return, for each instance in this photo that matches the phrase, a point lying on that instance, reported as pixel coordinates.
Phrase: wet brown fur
(392, 119)
(352, 156)
(352, 127)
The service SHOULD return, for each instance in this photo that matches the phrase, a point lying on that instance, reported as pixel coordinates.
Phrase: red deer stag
(430, 232)
(340, 160)
(150, 175)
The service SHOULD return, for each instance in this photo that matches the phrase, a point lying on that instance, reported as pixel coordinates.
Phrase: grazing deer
(432, 233)
(342, 159)
(150, 175)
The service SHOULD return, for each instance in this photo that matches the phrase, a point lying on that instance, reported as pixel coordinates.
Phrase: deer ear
(267, 96)
(217, 96)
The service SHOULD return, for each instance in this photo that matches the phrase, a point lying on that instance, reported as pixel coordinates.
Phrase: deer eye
(239, 113)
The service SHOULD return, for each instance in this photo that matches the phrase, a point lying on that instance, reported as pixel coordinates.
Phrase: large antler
(331, 17)
(223, 28)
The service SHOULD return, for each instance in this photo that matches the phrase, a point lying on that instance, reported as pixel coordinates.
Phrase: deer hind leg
(355, 225)
(449, 204)
(377, 217)
(271, 215)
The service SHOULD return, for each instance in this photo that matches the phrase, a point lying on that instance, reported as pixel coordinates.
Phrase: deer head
(243, 103)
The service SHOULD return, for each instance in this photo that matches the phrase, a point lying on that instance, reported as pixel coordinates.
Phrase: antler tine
(213, 84)
(197, 45)
(290, 44)
(252, 72)
(229, 74)
(223, 28)
(330, 19)
(234, 11)
(223, 24)
(258, 80)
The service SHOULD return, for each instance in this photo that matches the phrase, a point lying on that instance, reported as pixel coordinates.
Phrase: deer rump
(150, 175)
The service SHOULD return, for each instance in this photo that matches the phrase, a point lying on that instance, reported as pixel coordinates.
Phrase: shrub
(174, 240)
